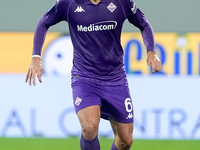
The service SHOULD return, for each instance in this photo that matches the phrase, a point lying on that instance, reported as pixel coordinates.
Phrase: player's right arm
(53, 16)
(35, 68)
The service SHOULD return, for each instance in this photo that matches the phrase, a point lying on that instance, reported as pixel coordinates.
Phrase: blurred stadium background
(167, 112)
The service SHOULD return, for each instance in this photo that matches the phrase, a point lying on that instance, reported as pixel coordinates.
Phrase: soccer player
(99, 83)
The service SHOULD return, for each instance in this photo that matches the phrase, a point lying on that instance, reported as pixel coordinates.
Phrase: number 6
(128, 105)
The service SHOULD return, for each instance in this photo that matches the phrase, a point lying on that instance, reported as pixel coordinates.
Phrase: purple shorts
(115, 101)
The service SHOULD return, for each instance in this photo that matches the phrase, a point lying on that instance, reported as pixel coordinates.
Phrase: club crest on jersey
(111, 7)
(78, 101)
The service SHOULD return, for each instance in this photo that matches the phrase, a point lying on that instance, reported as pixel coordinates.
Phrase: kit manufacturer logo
(79, 9)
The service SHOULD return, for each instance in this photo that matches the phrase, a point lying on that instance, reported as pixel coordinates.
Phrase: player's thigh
(89, 115)
(87, 106)
(89, 118)
(123, 132)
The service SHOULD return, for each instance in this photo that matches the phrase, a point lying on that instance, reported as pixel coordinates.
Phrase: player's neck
(95, 1)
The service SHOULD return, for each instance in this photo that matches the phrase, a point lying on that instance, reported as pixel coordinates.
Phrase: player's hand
(153, 61)
(35, 68)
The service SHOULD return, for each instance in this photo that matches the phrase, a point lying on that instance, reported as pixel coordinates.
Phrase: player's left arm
(148, 38)
(153, 61)
(138, 19)
(149, 41)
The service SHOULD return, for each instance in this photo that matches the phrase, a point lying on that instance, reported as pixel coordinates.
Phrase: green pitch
(73, 144)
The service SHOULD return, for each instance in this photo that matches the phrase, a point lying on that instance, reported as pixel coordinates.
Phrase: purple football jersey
(95, 31)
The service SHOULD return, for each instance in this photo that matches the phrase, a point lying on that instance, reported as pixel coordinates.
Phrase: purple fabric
(115, 101)
(89, 144)
(148, 40)
(98, 53)
(39, 37)
(114, 147)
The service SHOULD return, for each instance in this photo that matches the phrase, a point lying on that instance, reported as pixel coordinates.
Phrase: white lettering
(106, 25)
(80, 28)
(96, 28)
(100, 27)
(85, 29)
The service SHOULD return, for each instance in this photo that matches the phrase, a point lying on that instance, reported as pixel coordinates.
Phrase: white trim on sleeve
(36, 56)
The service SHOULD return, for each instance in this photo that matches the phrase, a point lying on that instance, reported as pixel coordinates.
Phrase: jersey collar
(88, 2)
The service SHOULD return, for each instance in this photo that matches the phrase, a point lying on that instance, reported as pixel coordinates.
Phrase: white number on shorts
(128, 105)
